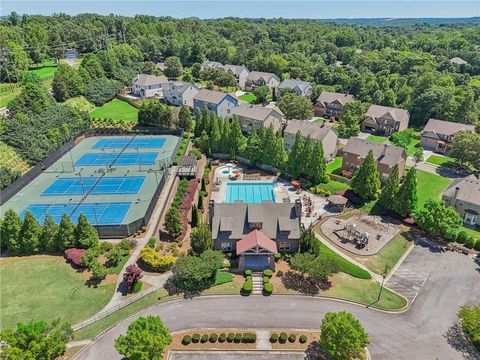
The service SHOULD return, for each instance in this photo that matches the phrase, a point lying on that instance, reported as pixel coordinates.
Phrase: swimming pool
(252, 193)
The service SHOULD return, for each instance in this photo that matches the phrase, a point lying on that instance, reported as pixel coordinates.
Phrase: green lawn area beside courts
(248, 97)
(430, 186)
(440, 160)
(334, 165)
(377, 139)
(46, 288)
(117, 110)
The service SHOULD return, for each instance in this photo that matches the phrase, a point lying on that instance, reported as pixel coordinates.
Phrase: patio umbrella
(295, 183)
(236, 172)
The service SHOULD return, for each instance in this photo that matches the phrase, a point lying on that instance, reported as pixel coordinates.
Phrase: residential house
(146, 85)
(180, 93)
(255, 232)
(385, 120)
(438, 135)
(218, 102)
(330, 104)
(240, 72)
(72, 54)
(298, 87)
(464, 196)
(323, 133)
(207, 65)
(458, 61)
(386, 156)
(257, 78)
(257, 116)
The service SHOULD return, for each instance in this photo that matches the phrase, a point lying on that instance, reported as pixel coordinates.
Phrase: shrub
(279, 273)
(477, 245)
(213, 338)
(277, 256)
(274, 338)
(470, 243)
(248, 272)
(249, 338)
(151, 242)
(222, 338)
(265, 279)
(248, 278)
(282, 339)
(195, 338)
(187, 339)
(132, 274)
(204, 338)
(154, 261)
(230, 337)
(124, 245)
(247, 286)
(238, 338)
(462, 237)
(303, 339)
(137, 287)
(292, 338)
(267, 272)
(105, 246)
(75, 256)
(268, 288)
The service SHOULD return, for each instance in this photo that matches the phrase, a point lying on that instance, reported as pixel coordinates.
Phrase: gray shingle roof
(458, 61)
(378, 111)
(288, 83)
(182, 85)
(236, 69)
(257, 75)
(271, 215)
(147, 80)
(446, 128)
(383, 153)
(328, 97)
(306, 128)
(257, 112)
(211, 96)
(211, 64)
(468, 190)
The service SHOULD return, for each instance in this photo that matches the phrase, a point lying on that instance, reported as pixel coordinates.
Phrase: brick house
(438, 135)
(330, 104)
(385, 120)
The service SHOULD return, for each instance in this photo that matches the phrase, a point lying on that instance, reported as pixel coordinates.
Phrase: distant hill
(403, 21)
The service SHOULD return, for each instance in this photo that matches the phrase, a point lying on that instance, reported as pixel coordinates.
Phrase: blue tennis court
(95, 186)
(97, 213)
(129, 143)
(106, 159)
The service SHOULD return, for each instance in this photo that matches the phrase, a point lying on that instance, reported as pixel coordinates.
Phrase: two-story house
(438, 135)
(207, 65)
(146, 86)
(255, 232)
(258, 78)
(240, 72)
(298, 87)
(464, 196)
(257, 116)
(327, 135)
(386, 157)
(385, 120)
(330, 104)
(220, 103)
(180, 93)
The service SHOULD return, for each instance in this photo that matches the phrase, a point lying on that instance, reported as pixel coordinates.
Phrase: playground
(361, 234)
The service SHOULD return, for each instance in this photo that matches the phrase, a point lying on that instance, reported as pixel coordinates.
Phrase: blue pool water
(253, 193)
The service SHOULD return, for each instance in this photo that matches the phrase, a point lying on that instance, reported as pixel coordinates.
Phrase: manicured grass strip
(47, 288)
(377, 139)
(223, 277)
(45, 72)
(440, 160)
(248, 97)
(181, 149)
(334, 165)
(345, 265)
(471, 232)
(430, 186)
(117, 268)
(333, 186)
(117, 110)
(386, 258)
(7, 96)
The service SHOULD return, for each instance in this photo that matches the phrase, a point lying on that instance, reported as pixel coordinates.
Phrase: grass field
(248, 97)
(45, 72)
(10, 159)
(471, 232)
(7, 96)
(333, 186)
(117, 110)
(429, 186)
(47, 288)
(334, 165)
(440, 160)
(377, 139)
(345, 266)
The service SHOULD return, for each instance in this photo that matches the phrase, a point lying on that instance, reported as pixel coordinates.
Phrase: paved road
(419, 334)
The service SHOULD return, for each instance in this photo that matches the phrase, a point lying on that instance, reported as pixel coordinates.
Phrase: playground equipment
(350, 232)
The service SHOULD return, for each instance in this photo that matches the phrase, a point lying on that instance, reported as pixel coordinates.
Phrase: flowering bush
(132, 274)
(188, 197)
(75, 256)
(155, 262)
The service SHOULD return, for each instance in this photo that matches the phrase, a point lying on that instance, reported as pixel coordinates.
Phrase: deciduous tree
(131, 275)
(173, 222)
(350, 119)
(296, 107)
(173, 67)
(436, 218)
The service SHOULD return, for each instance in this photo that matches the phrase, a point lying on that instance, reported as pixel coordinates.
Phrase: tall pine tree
(11, 226)
(66, 234)
(215, 140)
(389, 191)
(29, 236)
(236, 138)
(366, 181)
(317, 164)
(281, 155)
(49, 233)
(253, 149)
(295, 160)
(406, 199)
(307, 157)
(86, 236)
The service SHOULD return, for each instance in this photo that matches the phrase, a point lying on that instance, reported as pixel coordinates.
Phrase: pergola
(256, 251)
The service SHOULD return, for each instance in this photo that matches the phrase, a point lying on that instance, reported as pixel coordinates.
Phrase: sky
(311, 9)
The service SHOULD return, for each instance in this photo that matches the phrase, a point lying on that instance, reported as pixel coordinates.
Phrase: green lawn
(344, 265)
(430, 186)
(412, 147)
(377, 139)
(45, 72)
(334, 165)
(248, 97)
(332, 187)
(47, 288)
(319, 121)
(117, 110)
(440, 160)
(7, 96)
(471, 232)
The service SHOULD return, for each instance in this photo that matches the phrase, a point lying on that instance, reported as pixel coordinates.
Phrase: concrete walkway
(263, 340)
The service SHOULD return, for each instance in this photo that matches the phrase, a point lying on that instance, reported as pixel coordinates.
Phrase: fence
(341, 179)
(103, 314)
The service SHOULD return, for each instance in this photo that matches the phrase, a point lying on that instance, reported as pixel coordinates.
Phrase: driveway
(419, 334)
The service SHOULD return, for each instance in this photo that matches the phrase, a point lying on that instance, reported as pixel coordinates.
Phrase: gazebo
(256, 251)
(338, 202)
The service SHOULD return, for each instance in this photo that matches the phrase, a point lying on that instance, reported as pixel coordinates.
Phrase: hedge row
(246, 338)
(282, 338)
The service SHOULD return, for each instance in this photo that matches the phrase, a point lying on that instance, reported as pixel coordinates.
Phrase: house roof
(257, 75)
(269, 214)
(257, 112)
(291, 84)
(211, 96)
(307, 128)
(146, 80)
(253, 239)
(235, 69)
(207, 64)
(383, 153)
(458, 61)
(330, 97)
(161, 66)
(468, 190)
(446, 128)
(378, 111)
(182, 85)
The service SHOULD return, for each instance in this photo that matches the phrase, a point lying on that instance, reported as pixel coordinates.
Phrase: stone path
(257, 279)
(263, 340)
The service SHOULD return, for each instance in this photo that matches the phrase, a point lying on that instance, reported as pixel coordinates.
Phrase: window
(284, 246)
(226, 246)
(228, 111)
